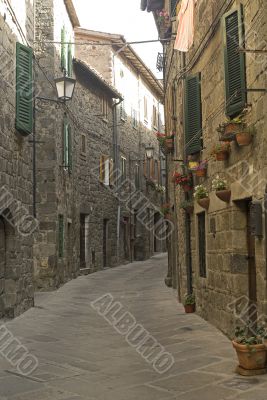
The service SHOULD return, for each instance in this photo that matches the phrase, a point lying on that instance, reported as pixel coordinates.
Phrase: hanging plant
(221, 188)
(200, 168)
(221, 151)
(183, 180)
(202, 196)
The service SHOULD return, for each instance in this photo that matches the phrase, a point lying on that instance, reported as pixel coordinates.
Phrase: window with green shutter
(60, 236)
(234, 61)
(67, 146)
(193, 114)
(63, 49)
(24, 89)
(70, 59)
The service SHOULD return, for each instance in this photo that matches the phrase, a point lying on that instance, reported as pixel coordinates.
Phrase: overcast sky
(122, 17)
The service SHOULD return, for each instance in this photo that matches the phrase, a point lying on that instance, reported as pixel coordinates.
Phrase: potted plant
(163, 21)
(244, 136)
(220, 187)
(184, 180)
(250, 348)
(201, 168)
(221, 151)
(202, 196)
(187, 206)
(190, 303)
(229, 129)
(166, 210)
(166, 141)
(160, 189)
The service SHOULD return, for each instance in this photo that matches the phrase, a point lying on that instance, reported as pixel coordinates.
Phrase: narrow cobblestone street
(82, 357)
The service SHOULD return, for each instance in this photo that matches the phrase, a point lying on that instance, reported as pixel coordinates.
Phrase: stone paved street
(82, 357)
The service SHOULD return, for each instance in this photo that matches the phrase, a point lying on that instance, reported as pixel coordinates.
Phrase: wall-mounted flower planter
(224, 195)
(167, 216)
(243, 138)
(204, 203)
(201, 173)
(168, 145)
(186, 188)
(222, 155)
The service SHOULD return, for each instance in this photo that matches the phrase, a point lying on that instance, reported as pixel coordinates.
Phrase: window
(60, 236)
(104, 173)
(234, 62)
(66, 53)
(123, 115)
(202, 244)
(83, 143)
(193, 114)
(104, 107)
(67, 146)
(155, 117)
(70, 59)
(137, 176)
(134, 118)
(24, 101)
(123, 168)
(145, 109)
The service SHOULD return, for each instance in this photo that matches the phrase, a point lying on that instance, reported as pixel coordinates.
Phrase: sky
(122, 17)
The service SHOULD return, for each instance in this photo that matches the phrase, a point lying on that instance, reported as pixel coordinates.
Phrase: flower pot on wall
(204, 203)
(243, 138)
(252, 357)
(186, 188)
(169, 145)
(222, 155)
(224, 195)
(201, 173)
(189, 308)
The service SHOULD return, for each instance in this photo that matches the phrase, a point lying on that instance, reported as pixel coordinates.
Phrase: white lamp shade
(65, 88)
(149, 152)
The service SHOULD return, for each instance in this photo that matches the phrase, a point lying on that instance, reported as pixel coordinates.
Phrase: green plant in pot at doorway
(251, 350)
(190, 303)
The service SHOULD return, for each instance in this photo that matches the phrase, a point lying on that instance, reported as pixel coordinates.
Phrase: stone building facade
(219, 253)
(132, 132)
(16, 229)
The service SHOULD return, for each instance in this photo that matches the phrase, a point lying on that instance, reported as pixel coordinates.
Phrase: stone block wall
(16, 265)
(245, 170)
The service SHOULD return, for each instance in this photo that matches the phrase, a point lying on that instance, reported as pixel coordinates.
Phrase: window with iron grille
(202, 244)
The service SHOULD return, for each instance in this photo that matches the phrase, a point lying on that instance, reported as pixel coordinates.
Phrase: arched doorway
(2, 266)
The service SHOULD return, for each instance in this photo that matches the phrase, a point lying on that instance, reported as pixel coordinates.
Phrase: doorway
(252, 273)
(2, 266)
(105, 243)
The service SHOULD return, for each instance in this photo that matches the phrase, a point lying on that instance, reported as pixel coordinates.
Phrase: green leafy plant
(221, 147)
(219, 184)
(190, 299)
(186, 203)
(200, 192)
(243, 335)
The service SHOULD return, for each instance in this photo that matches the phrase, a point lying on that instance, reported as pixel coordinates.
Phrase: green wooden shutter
(66, 144)
(70, 59)
(60, 236)
(63, 49)
(24, 89)
(234, 61)
(173, 4)
(193, 114)
(69, 148)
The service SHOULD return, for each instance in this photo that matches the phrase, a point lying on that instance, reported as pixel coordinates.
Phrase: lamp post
(65, 89)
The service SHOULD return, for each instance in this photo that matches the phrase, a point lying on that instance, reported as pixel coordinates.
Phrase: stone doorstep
(85, 271)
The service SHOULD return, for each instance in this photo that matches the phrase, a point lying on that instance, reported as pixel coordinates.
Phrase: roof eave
(72, 13)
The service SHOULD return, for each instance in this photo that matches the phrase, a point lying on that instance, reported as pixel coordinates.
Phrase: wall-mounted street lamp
(65, 88)
(149, 151)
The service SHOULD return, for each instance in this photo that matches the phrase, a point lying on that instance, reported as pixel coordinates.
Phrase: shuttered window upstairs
(67, 146)
(193, 114)
(173, 4)
(234, 61)
(24, 89)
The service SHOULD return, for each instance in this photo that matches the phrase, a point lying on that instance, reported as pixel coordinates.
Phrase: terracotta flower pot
(189, 308)
(243, 138)
(251, 357)
(232, 128)
(167, 216)
(201, 172)
(189, 209)
(186, 188)
(224, 195)
(204, 203)
(222, 155)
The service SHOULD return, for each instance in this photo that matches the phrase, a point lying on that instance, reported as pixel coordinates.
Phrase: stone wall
(16, 265)
(226, 248)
